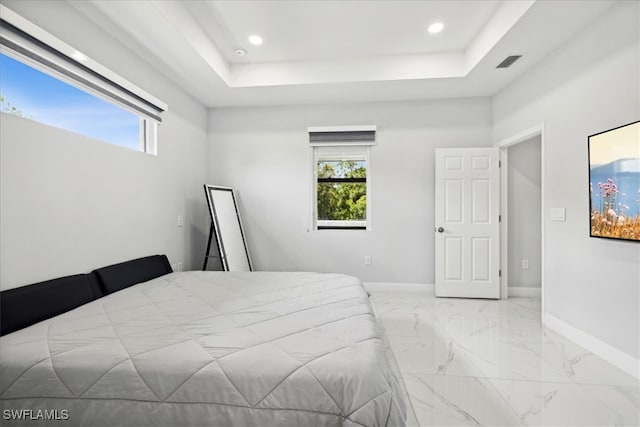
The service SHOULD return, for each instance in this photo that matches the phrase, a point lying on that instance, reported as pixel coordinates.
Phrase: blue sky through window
(45, 99)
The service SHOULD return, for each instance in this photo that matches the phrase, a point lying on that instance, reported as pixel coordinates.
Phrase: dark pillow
(27, 305)
(119, 276)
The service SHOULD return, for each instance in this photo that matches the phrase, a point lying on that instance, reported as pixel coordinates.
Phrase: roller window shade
(51, 56)
(359, 135)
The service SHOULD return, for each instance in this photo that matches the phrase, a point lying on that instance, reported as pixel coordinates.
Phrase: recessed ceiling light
(240, 52)
(436, 27)
(255, 40)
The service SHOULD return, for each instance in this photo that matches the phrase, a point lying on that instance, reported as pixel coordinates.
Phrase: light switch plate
(558, 214)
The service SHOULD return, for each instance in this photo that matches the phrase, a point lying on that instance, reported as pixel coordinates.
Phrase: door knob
(440, 230)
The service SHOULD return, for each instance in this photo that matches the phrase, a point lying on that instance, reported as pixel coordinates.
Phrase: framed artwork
(226, 226)
(614, 183)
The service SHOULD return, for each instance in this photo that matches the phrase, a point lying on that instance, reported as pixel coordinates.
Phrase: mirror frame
(215, 227)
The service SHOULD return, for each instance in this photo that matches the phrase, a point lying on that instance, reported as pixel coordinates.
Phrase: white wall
(70, 204)
(264, 153)
(525, 239)
(588, 85)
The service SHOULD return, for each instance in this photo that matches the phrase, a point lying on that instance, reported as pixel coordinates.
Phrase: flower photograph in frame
(614, 183)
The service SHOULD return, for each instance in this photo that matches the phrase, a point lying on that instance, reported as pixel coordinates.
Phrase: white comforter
(206, 348)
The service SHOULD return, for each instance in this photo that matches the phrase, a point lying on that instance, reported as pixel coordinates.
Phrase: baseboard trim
(522, 291)
(411, 288)
(605, 351)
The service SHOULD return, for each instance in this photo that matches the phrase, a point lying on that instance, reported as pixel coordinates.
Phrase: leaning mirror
(227, 228)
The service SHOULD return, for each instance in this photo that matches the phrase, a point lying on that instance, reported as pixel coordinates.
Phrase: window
(341, 192)
(45, 80)
(30, 93)
(341, 184)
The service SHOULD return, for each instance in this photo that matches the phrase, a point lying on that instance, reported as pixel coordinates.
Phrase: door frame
(503, 145)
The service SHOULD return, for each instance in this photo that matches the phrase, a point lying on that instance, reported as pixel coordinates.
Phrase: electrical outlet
(177, 266)
(367, 259)
(180, 221)
(525, 264)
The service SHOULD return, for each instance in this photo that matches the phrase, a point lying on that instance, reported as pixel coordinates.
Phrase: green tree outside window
(342, 190)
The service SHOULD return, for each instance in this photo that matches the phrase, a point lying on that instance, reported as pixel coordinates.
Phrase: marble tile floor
(491, 363)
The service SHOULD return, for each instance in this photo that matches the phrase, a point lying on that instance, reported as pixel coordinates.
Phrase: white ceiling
(340, 51)
(314, 30)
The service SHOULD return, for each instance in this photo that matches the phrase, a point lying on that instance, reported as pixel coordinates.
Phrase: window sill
(338, 227)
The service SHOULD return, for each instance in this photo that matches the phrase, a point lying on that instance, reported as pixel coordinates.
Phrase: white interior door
(467, 235)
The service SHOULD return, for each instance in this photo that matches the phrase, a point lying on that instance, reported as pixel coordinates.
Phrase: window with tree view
(341, 193)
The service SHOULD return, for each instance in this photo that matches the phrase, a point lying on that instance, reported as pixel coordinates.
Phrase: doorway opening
(522, 207)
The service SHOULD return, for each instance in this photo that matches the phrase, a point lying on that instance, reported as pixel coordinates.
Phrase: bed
(206, 348)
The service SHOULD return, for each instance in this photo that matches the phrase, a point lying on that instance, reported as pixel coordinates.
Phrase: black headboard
(27, 305)
(119, 276)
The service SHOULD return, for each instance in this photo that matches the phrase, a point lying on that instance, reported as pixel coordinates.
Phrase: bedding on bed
(207, 348)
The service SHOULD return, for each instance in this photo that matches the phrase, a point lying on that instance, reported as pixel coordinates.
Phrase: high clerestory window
(342, 184)
(46, 80)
